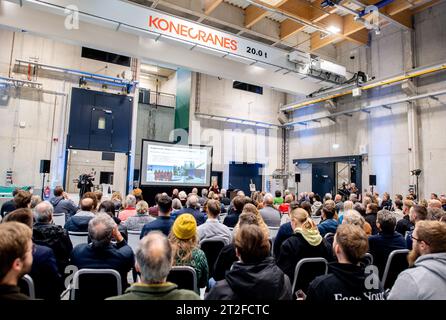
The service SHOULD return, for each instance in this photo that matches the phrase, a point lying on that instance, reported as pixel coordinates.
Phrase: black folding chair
(306, 270)
(396, 263)
(26, 285)
(184, 277)
(211, 249)
(367, 260)
(95, 284)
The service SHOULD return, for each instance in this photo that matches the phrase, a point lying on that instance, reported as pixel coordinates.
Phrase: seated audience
(164, 221)
(212, 229)
(359, 207)
(109, 208)
(316, 207)
(130, 208)
(224, 199)
(346, 279)
(137, 222)
(176, 205)
(153, 210)
(405, 224)
(417, 213)
(398, 209)
(426, 279)
(16, 259)
(204, 196)
(269, 213)
(98, 195)
(22, 199)
(278, 200)
(232, 218)
(435, 213)
(62, 204)
(138, 194)
(252, 209)
(79, 222)
(286, 230)
(306, 242)
(101, 253)
(348, 205)
(256, 276)
(386, 202)
(116, 198)
(387, 240)
(370, 217)
(328, 222)
(35, 200)
(44, 272)
(183, 197)
(193, 208)
(9, 205)
(46, 233)
(183, 238)
(154, 262)
(227, 255)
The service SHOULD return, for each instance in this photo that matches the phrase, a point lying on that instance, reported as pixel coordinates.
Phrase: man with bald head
(79, 222)
(192, 207)
(154, 262)
(269, 214)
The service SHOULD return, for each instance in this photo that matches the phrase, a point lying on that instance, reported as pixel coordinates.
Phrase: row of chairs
(314, 267)
(98, 284)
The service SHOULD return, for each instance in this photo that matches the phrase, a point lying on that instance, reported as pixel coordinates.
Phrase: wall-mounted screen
(175, 165)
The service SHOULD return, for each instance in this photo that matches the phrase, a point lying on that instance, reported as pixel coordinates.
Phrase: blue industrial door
(241, 175)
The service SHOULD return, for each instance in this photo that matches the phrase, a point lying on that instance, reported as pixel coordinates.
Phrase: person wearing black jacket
(256, 276)
(48, 281)
(227, 255)
(405, 224)
(370, 217)
(46, 233)
(306, 242)
(101, 253)
(232, 218)
(387, 240)
(346, 279)
(9, 206)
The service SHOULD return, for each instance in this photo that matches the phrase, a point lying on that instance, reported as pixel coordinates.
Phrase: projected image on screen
(168, 164)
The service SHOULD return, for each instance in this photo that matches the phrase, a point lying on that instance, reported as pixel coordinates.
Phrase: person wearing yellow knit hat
(183, 238)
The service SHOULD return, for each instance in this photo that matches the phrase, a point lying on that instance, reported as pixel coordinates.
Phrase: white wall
(45, 115)
(386, 132)
(237, 142)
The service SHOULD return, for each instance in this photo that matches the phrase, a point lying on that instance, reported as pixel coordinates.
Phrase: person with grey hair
(270, 215)
(130, 208)
(46, 233)
(195, 190)
(192, 207)
(154, 262)
(328, 196)
(176, 205)
(204, 196)
(387, 240)
(101, 253)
